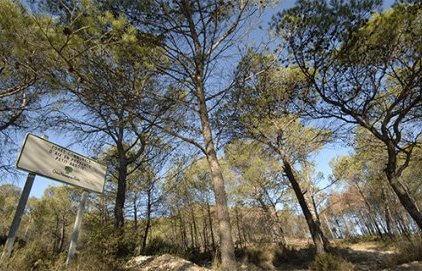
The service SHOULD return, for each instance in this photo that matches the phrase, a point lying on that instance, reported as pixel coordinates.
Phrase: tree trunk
(239, 235)
(320, 241)
(148, 225)
(195, 228)
(387, 212)
(371, 213)
(205, 230)
(211, 227)
(405, 198)
(120, 195)
(329, 228)
(347, 226)
(226, 242)
(228, 260)
(135, 214)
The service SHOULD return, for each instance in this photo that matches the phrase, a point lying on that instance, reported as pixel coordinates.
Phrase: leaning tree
(365, 69)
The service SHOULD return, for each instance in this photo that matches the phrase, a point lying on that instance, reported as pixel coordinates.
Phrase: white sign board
(50, 160)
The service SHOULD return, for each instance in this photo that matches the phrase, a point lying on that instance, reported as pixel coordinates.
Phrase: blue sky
(321, 160)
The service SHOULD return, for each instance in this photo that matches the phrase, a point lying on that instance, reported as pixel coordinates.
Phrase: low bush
(409, 250)
(256, 256)
(329, 262)
(297, 256)
(158, 246)
(35, 255)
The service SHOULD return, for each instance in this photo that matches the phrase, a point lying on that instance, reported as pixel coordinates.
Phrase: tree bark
(318, 237)
(404, 197)
(120, 196)
(228, 259)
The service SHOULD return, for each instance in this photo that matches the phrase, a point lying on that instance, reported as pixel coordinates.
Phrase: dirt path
(164, 262)
(365, 256)
(370, 256)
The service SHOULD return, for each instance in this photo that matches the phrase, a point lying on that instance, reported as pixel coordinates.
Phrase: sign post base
(76, 228)
(17, 218)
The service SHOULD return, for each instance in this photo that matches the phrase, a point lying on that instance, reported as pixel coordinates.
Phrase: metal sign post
(76, 228)
(39, 156)
(17, 218)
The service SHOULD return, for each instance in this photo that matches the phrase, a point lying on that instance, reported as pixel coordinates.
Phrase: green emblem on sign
(68, 169)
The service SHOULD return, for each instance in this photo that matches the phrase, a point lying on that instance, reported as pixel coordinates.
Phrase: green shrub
(409, 251)
(88, 263)
(158, 246)
(259, 256)
(329, 262)
(300, 257)
(35, 255)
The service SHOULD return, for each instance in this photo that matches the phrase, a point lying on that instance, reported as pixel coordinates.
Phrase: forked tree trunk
(318, 237)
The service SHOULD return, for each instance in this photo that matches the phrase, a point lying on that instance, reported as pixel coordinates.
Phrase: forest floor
(365, 256)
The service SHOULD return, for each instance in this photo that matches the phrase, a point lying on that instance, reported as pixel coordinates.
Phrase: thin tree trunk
(148, 224)
(367, 222)
(371, 213)
(347, 226)
(211, 227)
(239, 235)
(320, 241)
(183, 231)
(339, 231)
(327, 223)
(192, 240)
(195, 229)
(135, 213)
(205, 230)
